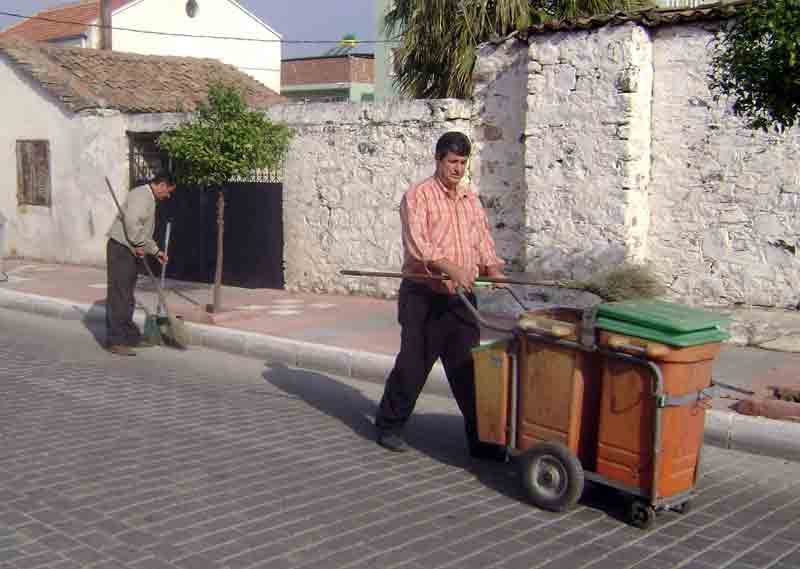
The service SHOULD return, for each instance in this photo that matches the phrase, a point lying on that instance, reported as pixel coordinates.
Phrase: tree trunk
(217, 306)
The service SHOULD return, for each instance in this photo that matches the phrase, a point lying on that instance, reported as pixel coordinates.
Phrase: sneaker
(121, 350)
(392, 442)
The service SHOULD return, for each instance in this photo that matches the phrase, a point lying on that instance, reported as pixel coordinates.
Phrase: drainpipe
(105, 23)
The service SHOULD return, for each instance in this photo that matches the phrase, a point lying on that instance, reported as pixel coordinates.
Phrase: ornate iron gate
(253, 223)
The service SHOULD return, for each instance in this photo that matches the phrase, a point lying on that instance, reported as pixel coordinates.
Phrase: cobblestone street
(197, 459)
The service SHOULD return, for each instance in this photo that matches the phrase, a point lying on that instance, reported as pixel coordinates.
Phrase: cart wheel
(641, 514)
(552, 476)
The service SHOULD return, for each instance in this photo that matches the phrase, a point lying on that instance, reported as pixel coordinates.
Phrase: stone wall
(346, 172)
(627, 156)
(725, 199)
(498, 163)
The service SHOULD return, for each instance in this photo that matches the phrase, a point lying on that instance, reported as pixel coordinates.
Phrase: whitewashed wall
(726, 199)
(498, 164)
(347, 170)
(628, 157)
(83, 150)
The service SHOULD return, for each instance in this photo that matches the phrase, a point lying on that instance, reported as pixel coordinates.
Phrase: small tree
(224, 141)
(755, 64)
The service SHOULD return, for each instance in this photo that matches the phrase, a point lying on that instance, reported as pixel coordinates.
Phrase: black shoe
(121, 350)
(392, 442)
(486, 451)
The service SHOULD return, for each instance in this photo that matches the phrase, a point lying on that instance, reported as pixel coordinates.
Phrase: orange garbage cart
(614, 394)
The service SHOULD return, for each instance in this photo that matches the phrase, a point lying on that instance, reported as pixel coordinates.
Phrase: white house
(72, 116)
(258, 53)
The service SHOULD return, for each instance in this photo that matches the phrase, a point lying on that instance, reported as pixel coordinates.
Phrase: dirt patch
(777, 402)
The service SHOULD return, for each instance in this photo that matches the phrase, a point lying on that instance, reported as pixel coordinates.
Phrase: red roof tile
(652, 17)
(65, 21)
(84, 78)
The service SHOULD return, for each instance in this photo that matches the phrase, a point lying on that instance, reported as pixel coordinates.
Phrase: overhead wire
(178, 34)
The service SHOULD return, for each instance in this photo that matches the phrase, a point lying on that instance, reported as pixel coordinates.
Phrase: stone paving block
(196, 562)
(126, 553)
(110, 526)
(36, 561)
(352, 554)
(153, 563)
(59, 542)
(525, 558)
(70, 564)
(85, 555)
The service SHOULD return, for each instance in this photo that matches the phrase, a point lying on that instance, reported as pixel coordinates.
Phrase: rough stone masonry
(592, 147)
(627, 156)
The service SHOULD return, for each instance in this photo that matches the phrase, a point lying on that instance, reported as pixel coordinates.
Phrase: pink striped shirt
(437, 226)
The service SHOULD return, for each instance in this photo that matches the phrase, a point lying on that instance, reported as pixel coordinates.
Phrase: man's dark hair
(163, 177)
(455, 142)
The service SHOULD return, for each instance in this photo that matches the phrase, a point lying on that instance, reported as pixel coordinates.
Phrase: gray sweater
(140, 221)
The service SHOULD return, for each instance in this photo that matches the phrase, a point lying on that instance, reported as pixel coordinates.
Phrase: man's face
(450, 169)
(162, 190)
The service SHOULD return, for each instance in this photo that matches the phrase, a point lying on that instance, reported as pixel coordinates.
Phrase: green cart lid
(667, 317)
(681, 340)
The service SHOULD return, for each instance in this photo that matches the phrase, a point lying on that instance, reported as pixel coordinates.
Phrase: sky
(294, 19)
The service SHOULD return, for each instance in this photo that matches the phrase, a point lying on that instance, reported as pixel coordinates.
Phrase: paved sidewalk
(204, 460)
(358, 337)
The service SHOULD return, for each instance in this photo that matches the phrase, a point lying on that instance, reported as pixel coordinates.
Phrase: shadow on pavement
(95, 323)
(437, 435)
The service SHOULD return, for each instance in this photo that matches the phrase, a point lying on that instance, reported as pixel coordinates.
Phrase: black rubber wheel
(552, 476)
(641, 514)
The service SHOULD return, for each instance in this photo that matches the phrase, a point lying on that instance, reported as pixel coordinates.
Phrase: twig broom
(623, 282)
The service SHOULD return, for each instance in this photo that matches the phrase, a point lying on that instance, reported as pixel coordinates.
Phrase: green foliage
(225, 141)
(755, 64)
(438, 37)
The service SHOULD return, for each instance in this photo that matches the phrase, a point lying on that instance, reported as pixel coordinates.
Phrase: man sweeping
(126, 246)
(445, 231)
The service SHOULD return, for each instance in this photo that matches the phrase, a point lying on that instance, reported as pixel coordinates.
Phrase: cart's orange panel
(628, 417)
(492, 377)
(559, 394)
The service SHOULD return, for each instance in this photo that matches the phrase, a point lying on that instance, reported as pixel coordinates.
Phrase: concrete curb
(728, 430)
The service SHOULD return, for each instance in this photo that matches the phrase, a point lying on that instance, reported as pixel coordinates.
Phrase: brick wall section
(319, 71)
(362, 70)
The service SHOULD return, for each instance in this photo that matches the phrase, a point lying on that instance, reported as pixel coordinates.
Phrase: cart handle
(651, 351)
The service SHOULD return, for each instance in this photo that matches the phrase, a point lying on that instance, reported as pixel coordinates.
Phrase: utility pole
(105, 24)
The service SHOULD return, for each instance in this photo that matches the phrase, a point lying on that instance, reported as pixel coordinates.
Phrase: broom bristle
(624, 282)
(175, 332)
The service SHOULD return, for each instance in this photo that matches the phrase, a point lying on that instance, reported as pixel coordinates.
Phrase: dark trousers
(122, 268)
(433, 326)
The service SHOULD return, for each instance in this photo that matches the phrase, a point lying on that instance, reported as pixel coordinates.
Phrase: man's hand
(460, 277)
(162, 257)
(496, 273)
(139, 252)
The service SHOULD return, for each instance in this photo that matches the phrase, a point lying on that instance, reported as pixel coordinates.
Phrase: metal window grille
(33, 173)
(147, 160)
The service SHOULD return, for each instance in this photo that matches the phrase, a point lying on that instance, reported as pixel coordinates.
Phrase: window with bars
(33, 173)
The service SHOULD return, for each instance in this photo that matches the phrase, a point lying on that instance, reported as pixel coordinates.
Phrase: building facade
(329, 78)
(258, 53)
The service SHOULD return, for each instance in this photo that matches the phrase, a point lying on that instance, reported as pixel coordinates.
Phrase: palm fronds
(438, 38)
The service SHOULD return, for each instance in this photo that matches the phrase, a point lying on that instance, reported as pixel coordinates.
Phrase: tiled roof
(650, 18)
(94, 79)
(47, 25)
